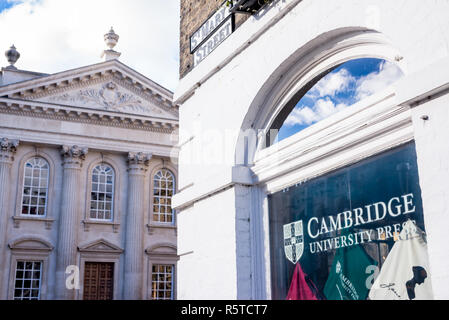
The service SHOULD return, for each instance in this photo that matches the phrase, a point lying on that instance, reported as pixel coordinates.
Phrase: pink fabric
(299, 289)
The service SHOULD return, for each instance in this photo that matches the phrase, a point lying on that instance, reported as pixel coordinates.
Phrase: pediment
(100, 246)
(162, 249)
(31, 244)
(108, 86)
(108, 95)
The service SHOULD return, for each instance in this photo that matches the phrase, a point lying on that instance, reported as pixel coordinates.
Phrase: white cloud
(332, 84)
(324, 93)
(305, 115)
(376, 81)
(56, 35)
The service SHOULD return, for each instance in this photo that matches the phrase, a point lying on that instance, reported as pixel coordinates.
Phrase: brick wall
(193, 15)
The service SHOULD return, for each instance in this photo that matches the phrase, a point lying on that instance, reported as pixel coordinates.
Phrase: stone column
(69, 215)
(135, 226)
(7, 150)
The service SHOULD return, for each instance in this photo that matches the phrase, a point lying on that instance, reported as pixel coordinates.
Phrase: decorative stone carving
(73, 155)
(7, 145)
(139, 158)
(7, 149)
(12, 55)
(111, 39)
(109, 98)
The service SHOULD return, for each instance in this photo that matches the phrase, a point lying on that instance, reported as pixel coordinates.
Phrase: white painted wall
(232, 88)
(209, 272)
(432, 138)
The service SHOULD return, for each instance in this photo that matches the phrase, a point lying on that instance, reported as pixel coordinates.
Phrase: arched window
(102, 193)
(35, 187)
(331, 92)
(163, 190)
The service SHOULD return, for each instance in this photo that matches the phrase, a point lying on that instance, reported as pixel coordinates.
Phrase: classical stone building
(86, 180)
(251, 207)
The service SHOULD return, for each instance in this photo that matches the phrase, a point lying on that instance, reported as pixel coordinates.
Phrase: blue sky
(5, 5)
(343, 87)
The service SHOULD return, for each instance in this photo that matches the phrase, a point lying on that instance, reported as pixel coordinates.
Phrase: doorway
(98, 281)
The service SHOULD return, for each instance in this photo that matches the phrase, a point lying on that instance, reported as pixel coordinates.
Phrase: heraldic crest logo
(294, 241)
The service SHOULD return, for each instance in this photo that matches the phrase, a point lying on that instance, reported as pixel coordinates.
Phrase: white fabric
(408, 252)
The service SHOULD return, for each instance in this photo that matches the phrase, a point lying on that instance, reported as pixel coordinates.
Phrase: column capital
(139, 159)
(7, 149)
(73, 155)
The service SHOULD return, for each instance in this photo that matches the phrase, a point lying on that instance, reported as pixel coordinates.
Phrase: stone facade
(75, 121)
(193, 15)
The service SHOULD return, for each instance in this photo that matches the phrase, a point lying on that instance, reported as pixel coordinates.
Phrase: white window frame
(30, 249)
(32, 279)
(156, 198)
(37, 206)
(112, 192)
(172, 282)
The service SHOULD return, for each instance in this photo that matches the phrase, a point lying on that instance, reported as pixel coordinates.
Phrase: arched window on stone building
(163, 191)
(35, 187)
(102, 194)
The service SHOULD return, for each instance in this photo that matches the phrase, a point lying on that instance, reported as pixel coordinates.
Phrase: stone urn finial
(12, 55)
(111, 39)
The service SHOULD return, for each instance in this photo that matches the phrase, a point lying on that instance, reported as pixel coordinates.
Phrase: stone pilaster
(135, 225)
(70, 213)
(7, 150)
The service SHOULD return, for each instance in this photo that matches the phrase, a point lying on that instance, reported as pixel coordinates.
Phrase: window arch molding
(162, 166)
(116, 201)
(48, 218)
(293, 78)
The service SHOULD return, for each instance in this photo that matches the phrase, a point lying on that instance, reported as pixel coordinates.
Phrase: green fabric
(348, 275)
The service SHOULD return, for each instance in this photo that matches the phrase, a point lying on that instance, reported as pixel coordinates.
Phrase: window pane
(102, 193)
(27, 280)
(35, 183)
(163, 184)
(162, 285)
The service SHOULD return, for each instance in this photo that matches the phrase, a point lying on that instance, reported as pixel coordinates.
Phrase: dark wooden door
(98, 281)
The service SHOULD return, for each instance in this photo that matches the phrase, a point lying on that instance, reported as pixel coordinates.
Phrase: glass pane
(340, 229)
(340, 89)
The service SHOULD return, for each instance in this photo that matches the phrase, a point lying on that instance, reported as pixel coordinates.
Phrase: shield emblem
(294, 241)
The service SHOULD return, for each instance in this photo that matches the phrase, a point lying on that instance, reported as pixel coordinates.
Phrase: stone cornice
(86, 115)
(57, 82)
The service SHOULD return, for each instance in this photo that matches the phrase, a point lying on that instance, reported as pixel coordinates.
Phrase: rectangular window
(27, 283)
(354, 234)
(162, 282)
